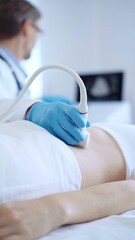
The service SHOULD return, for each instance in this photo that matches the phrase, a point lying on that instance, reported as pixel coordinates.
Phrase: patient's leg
(101, 161)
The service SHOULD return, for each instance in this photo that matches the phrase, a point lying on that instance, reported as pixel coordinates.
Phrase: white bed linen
(117, 227)
(120, 227)
(34, 163)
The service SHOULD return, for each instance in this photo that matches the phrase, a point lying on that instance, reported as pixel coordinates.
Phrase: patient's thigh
(102, 161)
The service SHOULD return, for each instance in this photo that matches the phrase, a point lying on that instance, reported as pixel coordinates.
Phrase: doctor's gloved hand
(60, 119)
(57, 99)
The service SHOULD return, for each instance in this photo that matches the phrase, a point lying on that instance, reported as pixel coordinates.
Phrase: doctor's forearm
(96, 202)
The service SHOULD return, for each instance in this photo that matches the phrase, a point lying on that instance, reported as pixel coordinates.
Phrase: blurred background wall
(90, 36)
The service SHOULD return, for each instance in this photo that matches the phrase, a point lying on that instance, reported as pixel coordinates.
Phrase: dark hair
(12, 15)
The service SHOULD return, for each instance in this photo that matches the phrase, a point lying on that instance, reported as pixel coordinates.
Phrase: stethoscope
(82, 106)
(19, 86)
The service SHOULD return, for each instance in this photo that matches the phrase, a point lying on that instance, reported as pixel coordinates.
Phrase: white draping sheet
(17, 170)
(34, 163)
(117, 227)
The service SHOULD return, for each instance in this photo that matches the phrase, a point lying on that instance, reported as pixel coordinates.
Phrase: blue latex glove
(57, 99)
(62, 120)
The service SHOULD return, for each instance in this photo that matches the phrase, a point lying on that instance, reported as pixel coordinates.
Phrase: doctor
(18, 34)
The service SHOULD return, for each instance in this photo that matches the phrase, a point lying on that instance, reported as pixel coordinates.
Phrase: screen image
(102, 87)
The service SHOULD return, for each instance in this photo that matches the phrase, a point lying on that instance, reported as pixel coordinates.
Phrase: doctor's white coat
(10, 70)
(18, 113)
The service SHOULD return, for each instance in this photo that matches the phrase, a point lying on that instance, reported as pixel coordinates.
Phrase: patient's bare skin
(104, 192)
(102, 161)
